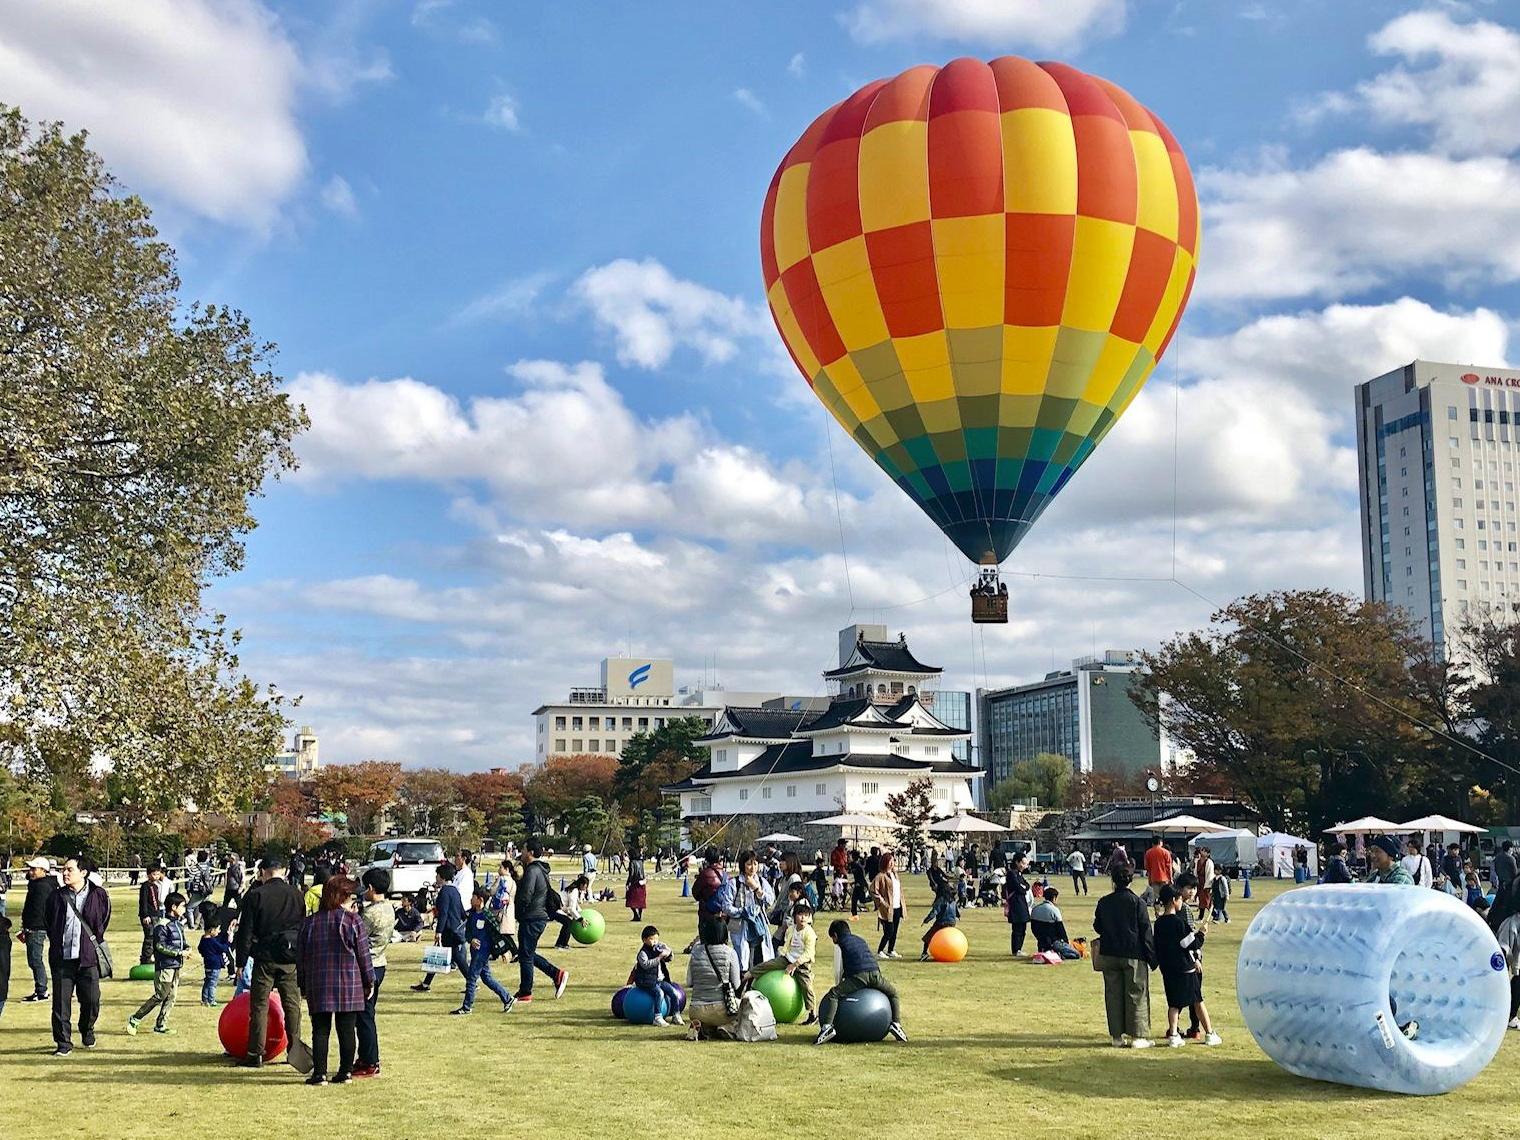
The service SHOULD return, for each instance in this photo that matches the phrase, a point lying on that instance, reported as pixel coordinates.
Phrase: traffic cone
(1246, 893)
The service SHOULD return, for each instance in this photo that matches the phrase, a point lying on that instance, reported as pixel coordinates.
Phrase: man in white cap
(588, 867)
(40, 885)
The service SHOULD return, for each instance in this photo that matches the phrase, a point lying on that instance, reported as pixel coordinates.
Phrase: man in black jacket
(40, 885)
(531, 905)
(1336, 870)
(78, 915)
(150, 908)
(272, 917)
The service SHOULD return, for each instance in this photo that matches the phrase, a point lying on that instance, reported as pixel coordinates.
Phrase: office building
(302, 760)
(1437, 446)
(1083, 713)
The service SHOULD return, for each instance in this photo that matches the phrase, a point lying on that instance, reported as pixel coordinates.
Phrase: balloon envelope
(976, 267)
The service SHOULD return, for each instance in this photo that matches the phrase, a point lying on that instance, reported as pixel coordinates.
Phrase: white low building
(876, 736)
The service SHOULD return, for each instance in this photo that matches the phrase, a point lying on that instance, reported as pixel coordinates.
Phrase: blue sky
(509, 253)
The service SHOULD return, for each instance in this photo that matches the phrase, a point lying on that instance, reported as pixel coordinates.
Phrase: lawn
(996, 1047)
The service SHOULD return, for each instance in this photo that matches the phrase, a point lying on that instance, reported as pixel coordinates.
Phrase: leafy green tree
(134, 431)
(912, 809)
(1047, 779)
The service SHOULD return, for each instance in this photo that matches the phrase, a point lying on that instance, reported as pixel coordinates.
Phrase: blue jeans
(529, 931)
(480, 971)
(369, 1037)
(658, 989)
(208, 986)
(244, 980)
(36, 958)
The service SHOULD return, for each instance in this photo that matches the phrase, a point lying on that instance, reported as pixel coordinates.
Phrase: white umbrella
(961, 823)
(1367, 825)
(853, 820)
(1189, 824)
(779, 837)
(1441, 823)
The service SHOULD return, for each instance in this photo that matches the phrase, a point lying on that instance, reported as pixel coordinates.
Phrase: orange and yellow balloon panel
(976, 267)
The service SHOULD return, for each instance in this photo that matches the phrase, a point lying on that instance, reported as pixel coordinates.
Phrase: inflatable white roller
(1319, 966)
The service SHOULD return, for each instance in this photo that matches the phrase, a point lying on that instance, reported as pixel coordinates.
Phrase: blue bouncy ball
(863, 1016)
(617, 1002)
(641, 1007)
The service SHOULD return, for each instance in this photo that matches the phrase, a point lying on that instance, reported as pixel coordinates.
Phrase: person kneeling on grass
(651, 973)
(855, 969)
(797, 957)
(1178, 950)
(169, 949)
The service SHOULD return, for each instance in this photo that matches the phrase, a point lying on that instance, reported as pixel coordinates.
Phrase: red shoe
(366, 1071)
(520, 999)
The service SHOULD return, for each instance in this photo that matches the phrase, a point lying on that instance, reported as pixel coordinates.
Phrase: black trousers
(1514, 997)
(348, 1040)
(1017, 931)
(69, 979)
(888, 941)
(369, 1037)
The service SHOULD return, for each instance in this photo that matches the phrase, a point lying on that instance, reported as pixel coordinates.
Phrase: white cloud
(1460, 80)
(797, 65)
(1322, 352)
(338, 196)
(749, 101)
(191, 100)
(508, 301)
(650, 313)
(1037, 23)
(502, 112)
(1356, 219)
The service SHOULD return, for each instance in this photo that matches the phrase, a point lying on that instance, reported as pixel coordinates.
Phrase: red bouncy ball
(232, 1027)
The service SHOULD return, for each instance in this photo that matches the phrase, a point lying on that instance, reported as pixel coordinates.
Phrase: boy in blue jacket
(855, 969)
(170, 947)
(479, 935)
(216, 953)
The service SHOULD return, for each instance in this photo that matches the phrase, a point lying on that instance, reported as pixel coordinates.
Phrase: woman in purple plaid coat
(334, 972)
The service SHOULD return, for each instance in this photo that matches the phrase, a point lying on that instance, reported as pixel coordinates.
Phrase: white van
(413, 863)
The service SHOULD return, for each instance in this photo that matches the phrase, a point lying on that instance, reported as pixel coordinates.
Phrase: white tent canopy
(1276, 851)
(1367, 825)
(1186, 824)
(962, 823)
(853, 820)
(779, 837)
(1233, 848)
(1441, 823)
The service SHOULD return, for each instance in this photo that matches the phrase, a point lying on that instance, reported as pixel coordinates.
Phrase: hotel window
(1461, 564)
(1451, 412)
(559, 723)
(577, 745)
(596, 722)
(1457, 502)
(1452, 442)
(744, 793)
(1461, 583)
(627, 723)
(643, 723)
(1461, 544)
(559, 744)
(611, 744)
(575, 722)
(596, 745)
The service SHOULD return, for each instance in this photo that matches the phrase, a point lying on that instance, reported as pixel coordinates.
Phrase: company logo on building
(639, 676)
(1470, 377)
(1491, 381)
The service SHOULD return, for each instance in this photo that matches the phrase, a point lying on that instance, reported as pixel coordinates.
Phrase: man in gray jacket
(531, 905)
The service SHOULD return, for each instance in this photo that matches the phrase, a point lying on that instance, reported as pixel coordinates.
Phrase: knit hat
(1386, 844)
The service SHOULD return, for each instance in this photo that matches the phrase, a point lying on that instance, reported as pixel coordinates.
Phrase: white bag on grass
(755, 1022)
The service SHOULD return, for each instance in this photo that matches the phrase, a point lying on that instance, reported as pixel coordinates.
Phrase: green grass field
(996, 1047)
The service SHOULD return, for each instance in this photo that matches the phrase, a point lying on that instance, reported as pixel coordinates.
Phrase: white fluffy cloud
(1323, 352)
(186, 98)
(999, 23)
(650, 313)
(338, 196)
(1356, 219)
(502, 112)
(1459, 80)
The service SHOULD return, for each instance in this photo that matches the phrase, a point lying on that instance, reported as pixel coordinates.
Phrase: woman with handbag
(1125, 954)
(712, 982)
(335, 973)
(753, 899)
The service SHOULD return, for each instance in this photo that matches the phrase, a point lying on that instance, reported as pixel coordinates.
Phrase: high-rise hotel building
(1438, 446)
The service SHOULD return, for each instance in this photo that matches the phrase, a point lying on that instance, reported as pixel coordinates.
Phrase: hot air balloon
(976, 267)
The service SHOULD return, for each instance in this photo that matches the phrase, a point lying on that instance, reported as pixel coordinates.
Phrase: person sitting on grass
(169, 949)
(651, 973)
(855, 969)
(1177, 949)
(480, 935)
(943, 913)
(712, 976)
(797, 956)
(216, 954)
(408, 920)
(1049, 927)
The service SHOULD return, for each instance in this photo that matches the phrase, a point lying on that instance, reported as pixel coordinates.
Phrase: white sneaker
(1141, 1043)
(882, 954)
(1213, 1039)
(661, 1022)
(1514, 1023)
(1175, 1041)
(677, 1019)
(893, 954)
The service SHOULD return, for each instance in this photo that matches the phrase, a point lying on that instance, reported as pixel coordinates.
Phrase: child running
(855, 969)
(169, 949)
(1181, 968)
(651, 973)
(479, 936)
(216, 953)
(943, 913)
(798, 956)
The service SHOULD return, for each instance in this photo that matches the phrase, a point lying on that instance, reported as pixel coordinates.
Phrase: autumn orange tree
(361, 791)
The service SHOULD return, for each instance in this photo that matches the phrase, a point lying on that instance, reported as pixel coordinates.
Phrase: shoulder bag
(102, 951)
(730, 999)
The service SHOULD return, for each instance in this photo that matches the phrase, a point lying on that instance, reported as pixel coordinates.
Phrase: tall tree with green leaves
(134, 431)
(912, 810)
